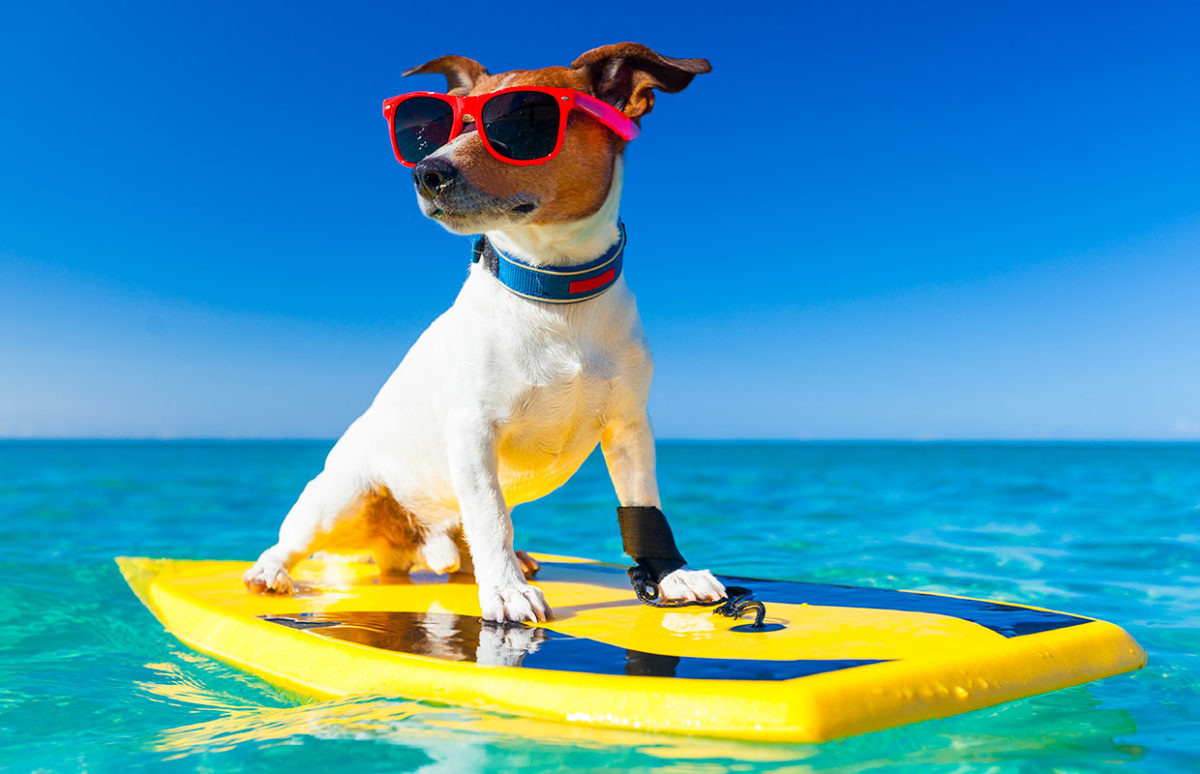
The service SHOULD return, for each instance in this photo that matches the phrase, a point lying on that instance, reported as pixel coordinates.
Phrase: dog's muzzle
(434, 177)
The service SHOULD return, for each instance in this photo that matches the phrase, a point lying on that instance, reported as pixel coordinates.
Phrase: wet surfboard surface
(834, 660)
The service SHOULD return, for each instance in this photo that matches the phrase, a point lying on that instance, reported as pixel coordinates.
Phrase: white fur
(498, 402)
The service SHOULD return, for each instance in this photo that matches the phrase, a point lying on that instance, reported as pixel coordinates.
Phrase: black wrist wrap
(648, 539)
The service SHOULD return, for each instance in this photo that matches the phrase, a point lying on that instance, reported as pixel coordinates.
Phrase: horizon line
(763, 440)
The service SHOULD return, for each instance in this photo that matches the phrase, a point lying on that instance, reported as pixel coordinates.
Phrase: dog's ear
(461, 73)
(625, 74)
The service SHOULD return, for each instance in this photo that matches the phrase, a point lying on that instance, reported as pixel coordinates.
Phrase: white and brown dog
(503, 397)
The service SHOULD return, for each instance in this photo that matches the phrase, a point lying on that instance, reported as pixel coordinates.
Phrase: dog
(504, 396)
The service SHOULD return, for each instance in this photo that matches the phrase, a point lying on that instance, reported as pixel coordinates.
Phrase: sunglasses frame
(567, 99)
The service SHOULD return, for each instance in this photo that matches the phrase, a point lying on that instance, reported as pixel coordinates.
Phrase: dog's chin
(494, 215)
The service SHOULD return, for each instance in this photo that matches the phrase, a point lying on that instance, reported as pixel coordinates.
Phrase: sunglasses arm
(608, 115)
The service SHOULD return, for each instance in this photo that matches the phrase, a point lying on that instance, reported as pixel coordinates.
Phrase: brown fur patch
(388, 520)
(572, 185)
(460, 72)
(627, 74)
(378, 525)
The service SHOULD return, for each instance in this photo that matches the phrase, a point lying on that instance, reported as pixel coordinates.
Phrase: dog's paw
(685, 585)
(517, 602)
(440, 554)
(268, 577)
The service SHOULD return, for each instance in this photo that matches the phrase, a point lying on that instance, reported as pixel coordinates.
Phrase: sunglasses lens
(422, 125)
(521, 125)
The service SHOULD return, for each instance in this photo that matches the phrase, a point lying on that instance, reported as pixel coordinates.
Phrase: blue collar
(554, 284)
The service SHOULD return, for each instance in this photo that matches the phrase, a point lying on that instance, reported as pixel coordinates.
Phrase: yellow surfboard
(833, 662)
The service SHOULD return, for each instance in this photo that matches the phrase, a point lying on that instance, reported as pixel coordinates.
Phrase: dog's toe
(516, 603)
(691, 586)
(673, 588)
(265, 578)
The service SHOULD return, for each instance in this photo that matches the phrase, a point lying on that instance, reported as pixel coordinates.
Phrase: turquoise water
(89, 680)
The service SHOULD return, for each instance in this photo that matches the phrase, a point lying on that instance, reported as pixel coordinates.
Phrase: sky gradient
(871, 220)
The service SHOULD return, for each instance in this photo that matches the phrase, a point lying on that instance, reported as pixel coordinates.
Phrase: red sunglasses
(521, 125)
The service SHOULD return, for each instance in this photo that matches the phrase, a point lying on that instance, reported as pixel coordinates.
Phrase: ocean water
(89, 681)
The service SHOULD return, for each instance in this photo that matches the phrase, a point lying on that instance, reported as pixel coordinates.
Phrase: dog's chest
(564, 389)
(557, 413)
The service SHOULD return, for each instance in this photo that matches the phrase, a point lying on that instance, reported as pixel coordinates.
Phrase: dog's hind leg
(320, 519)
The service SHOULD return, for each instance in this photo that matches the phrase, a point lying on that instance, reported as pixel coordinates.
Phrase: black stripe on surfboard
(1004, 619)
(463, 638)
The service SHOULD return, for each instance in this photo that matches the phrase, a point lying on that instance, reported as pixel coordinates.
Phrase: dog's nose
(434, 176)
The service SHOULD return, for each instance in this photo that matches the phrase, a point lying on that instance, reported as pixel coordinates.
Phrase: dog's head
(468, 191)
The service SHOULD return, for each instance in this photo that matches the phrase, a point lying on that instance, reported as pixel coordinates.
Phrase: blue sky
(872, 220)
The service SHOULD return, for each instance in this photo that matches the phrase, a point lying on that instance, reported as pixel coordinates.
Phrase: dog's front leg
(628, 447)
(503, 593)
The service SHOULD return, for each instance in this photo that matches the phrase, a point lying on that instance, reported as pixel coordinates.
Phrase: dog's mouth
(521, 209)
(475, 212)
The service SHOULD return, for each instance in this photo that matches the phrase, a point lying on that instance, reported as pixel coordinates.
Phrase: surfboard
(832, 661)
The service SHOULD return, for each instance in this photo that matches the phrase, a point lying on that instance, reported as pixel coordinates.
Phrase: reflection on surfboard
(469, 639)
